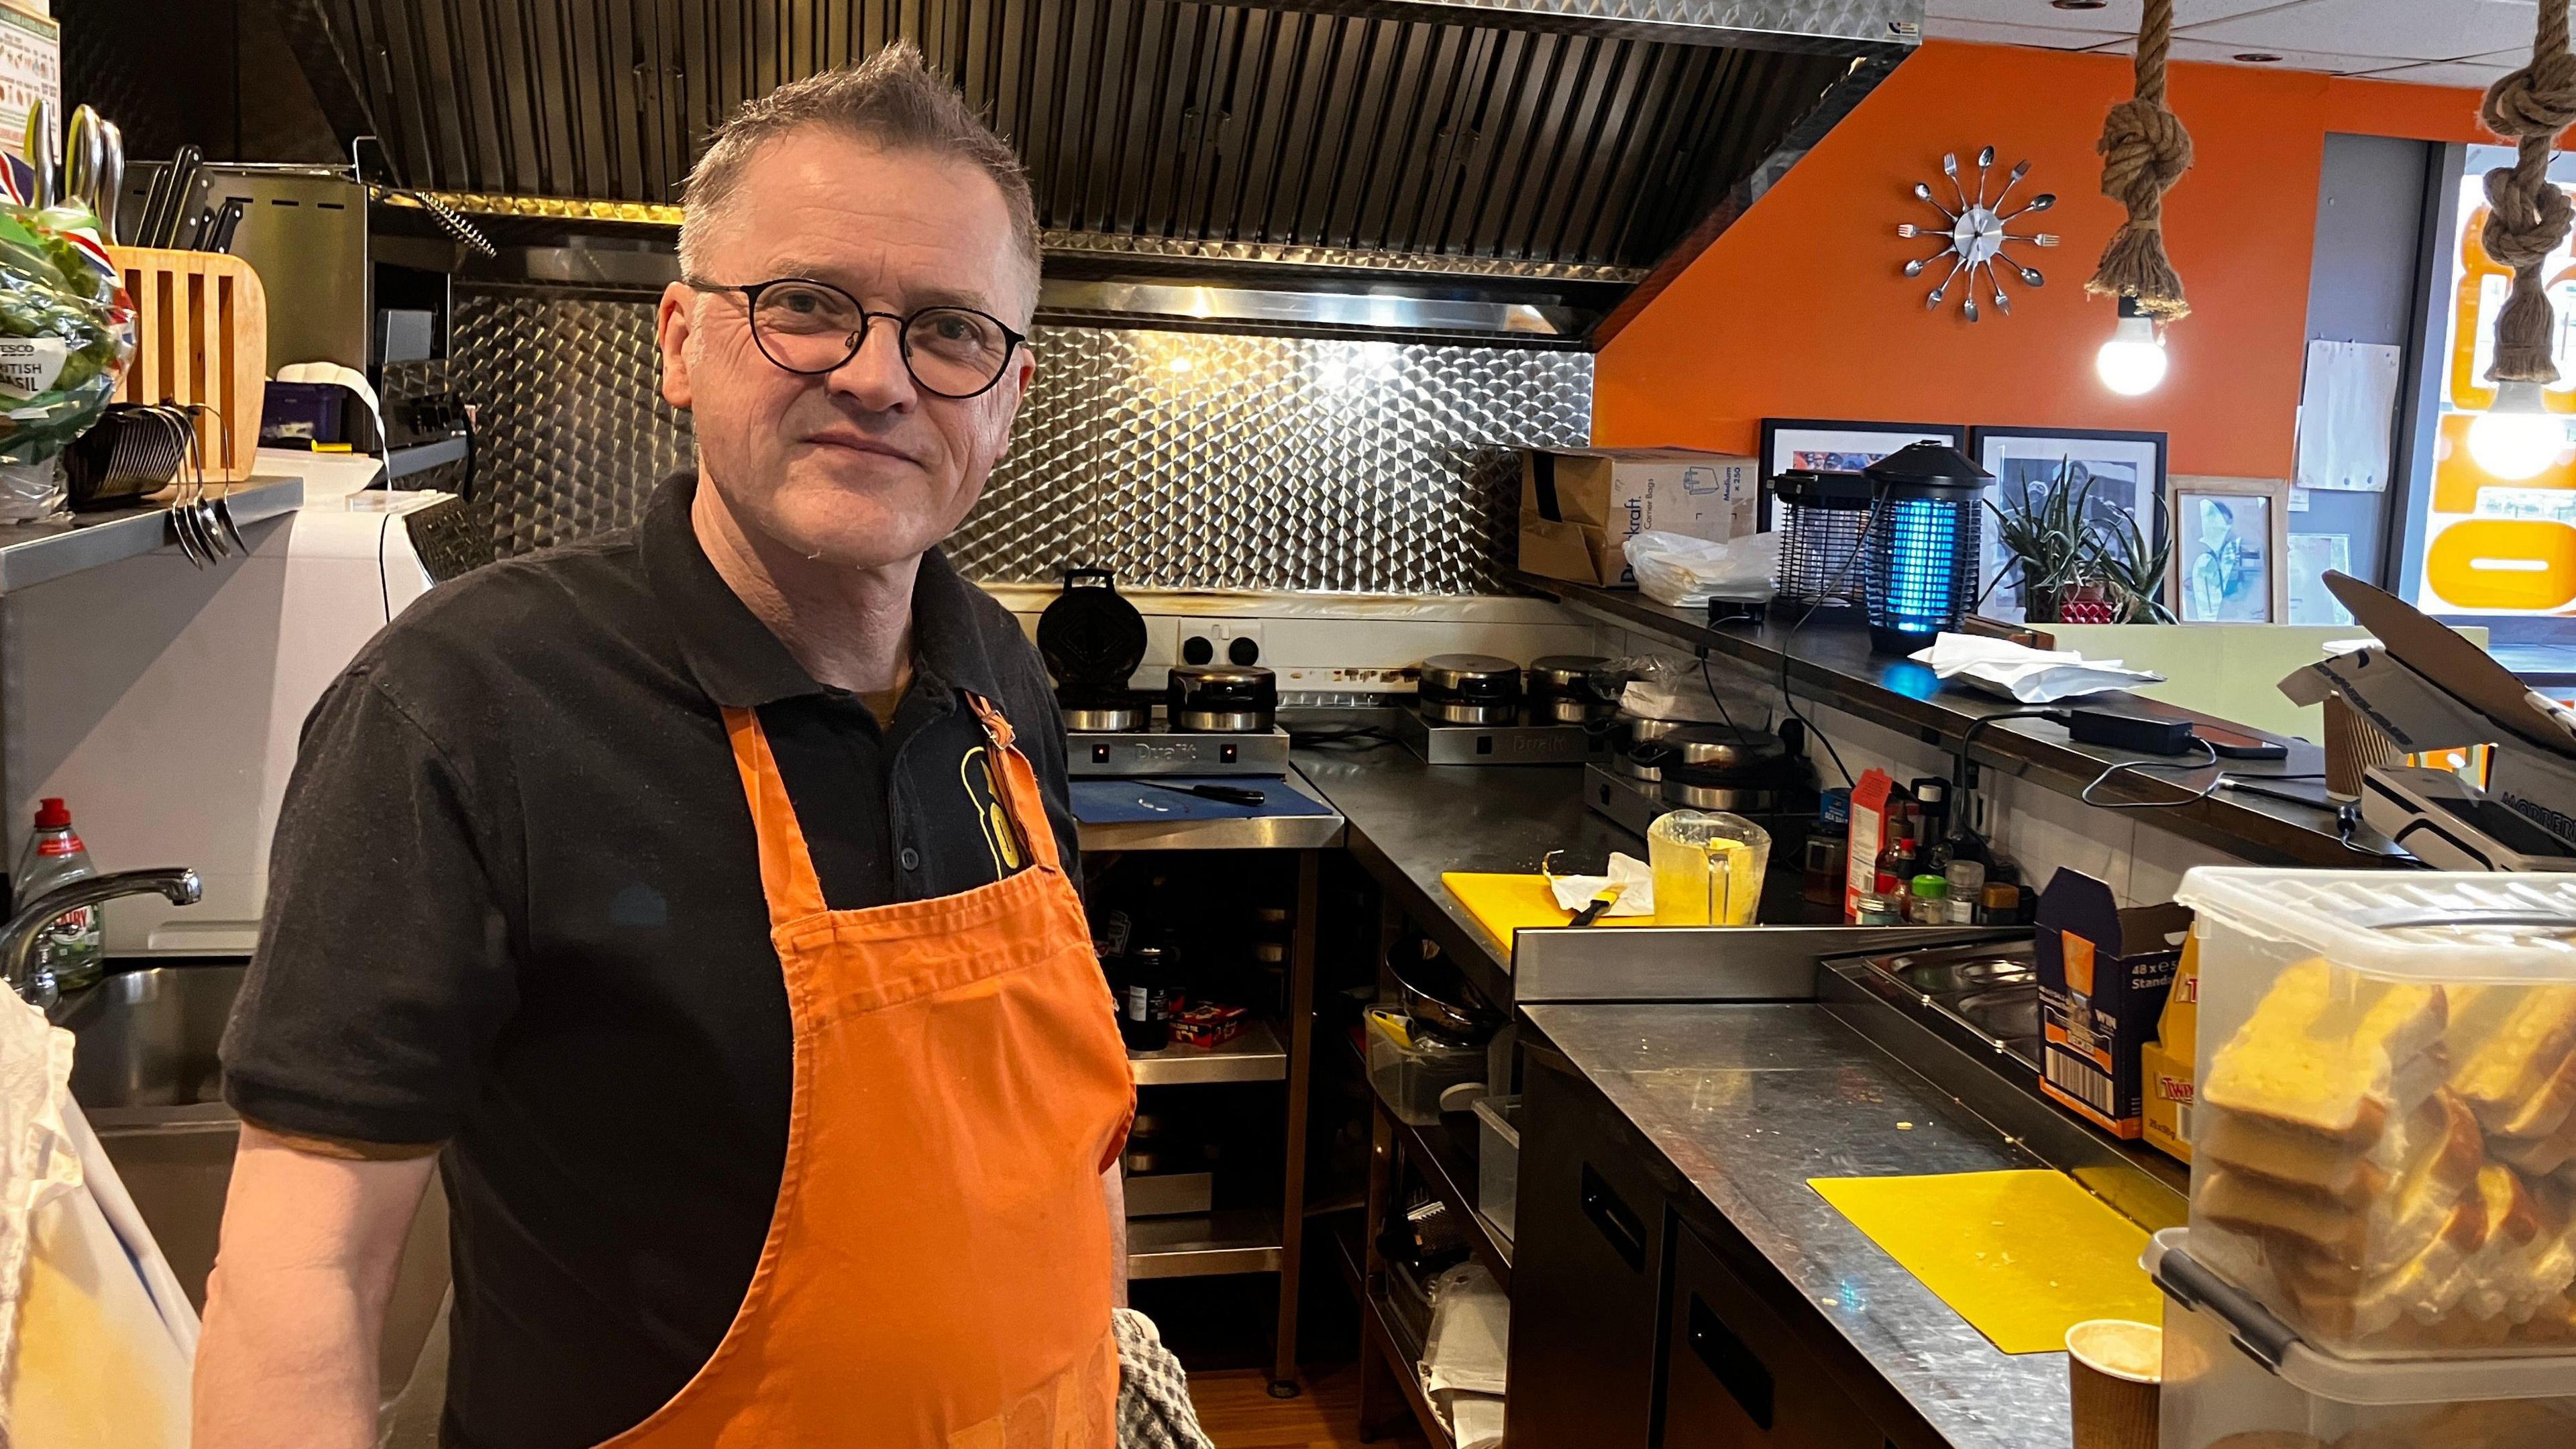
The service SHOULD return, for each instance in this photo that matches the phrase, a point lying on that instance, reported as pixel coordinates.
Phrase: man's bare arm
(1113, 1186)
(296, 1307)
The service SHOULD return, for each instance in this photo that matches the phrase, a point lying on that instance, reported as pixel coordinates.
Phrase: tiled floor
(1237, 1411)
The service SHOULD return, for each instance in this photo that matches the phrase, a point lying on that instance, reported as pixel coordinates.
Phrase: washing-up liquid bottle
(73, 945)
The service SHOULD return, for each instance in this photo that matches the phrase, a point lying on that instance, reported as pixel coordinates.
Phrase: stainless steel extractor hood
(1525, 165)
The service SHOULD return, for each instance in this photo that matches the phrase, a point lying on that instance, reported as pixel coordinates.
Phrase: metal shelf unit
(1204, 1245)
(1255, 1056)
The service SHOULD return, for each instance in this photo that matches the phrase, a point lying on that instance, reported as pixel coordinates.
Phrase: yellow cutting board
(1503, 904)
(2023, 1255)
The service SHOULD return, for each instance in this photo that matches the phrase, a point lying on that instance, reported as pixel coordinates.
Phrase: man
(694, 898)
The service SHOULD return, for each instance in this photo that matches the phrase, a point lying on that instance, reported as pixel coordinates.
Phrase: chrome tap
(177, 883)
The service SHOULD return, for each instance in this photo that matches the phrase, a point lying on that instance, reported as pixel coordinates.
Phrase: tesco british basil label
(29, 365)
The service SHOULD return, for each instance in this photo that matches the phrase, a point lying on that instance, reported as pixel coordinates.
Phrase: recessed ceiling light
(2256, 57)
(2079, 4)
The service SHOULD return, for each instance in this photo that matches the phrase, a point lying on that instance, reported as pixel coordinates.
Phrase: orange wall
(1801, 310)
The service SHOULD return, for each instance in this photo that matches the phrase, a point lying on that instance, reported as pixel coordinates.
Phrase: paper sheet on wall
(2347, 408)
(2311, 554)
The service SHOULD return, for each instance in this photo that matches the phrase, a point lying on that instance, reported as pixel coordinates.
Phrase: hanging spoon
(1923, 193)
(1985, 161)
(2041, 202)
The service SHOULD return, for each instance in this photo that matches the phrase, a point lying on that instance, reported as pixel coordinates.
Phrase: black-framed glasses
(811, 328)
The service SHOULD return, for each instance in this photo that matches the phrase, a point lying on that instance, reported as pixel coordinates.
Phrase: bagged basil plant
(66, 335)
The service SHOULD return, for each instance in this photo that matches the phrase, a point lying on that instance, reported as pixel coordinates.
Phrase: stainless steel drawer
(1735, 1376)
(1587, 1267)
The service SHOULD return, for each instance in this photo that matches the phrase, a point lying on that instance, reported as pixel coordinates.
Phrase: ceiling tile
(2119, 15)
(1987, 32)
(2329, 62)
(2473, 75)
(2401, 29)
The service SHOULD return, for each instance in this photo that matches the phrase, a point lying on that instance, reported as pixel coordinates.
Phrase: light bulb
(2518, 436)
(2132, 363)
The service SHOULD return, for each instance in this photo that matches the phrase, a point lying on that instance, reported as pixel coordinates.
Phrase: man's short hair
(891, 99)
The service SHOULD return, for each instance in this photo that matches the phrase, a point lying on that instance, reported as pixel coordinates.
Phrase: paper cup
(2116, 1369)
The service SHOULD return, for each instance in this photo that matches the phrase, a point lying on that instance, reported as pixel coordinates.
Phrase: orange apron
(937, 1271)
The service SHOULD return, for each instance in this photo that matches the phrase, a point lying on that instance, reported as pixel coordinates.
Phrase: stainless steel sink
(148, 1038)
(146, 1073)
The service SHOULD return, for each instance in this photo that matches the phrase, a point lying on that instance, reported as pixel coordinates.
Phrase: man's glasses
(811, 328)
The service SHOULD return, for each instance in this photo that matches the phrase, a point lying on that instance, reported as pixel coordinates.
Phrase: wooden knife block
(201, 336)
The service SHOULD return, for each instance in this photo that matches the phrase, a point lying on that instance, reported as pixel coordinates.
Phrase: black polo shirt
(515, 907)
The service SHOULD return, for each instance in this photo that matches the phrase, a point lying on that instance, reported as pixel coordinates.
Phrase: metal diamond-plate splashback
(571, 429)
(1184, 460)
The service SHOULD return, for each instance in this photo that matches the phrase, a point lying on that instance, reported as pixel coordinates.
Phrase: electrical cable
(1860, 546)
(2148, 767)
(1710, 685)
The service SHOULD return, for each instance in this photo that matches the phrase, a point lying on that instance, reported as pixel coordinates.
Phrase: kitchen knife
(111, 177)
(181, 206)
(1224, 794)
(1602, 900)
(81, 156)
(44, 152)
(155, 196)
(219, 237)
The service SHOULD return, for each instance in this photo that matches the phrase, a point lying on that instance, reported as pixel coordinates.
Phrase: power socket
(1221, 641)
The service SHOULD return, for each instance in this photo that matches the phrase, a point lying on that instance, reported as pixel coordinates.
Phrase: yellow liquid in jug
(1704, 885)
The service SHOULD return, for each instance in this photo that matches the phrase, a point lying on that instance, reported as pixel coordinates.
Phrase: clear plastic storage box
(2235, 1377)
(2384, 1131)
(1411, 1074)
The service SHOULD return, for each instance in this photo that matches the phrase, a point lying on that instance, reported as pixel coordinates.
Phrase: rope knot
(2523, 225)
(2537, 100)
(2527, 217)
(2145, 150)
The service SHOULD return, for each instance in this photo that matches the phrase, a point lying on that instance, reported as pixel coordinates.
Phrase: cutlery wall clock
(1975, 232)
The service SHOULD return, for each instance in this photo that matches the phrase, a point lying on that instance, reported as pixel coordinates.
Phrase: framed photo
(2125, 471)
(2231, 550)
(1824, 445)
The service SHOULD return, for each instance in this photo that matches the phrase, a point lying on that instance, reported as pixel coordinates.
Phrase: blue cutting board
(1127, 802)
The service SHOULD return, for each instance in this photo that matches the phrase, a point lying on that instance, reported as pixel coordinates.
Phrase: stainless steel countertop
(36, 553)
(1409, 822)
(1750, 1101)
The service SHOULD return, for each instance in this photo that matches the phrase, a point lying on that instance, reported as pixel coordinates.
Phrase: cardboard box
(2165, 1064)
(2104, 974)
(2166, 1123)
(31, 68)
(1869, 801)
(1580, 506)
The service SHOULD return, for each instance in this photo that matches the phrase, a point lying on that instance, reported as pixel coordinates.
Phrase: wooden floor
(1237, 1411)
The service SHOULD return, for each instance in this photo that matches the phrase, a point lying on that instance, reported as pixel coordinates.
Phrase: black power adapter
(2137, 733)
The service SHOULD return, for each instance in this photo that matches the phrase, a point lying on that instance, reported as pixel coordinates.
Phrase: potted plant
(2074, 571)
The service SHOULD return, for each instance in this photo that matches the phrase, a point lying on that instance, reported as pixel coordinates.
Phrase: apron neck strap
(787, 875)
(1016, 783)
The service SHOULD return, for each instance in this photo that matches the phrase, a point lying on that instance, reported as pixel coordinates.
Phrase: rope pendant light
(2145, 150)
(2527, 218)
